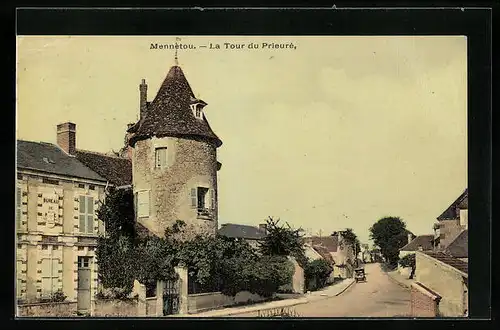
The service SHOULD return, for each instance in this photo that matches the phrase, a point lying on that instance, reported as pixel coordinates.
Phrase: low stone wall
(56, 309)
(206, 301)
(115, 308)
(423, 302)
(151, 306)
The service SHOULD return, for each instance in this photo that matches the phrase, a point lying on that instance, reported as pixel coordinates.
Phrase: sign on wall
(50, 208)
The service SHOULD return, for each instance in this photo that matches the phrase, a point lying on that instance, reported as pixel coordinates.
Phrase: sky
(332, 133)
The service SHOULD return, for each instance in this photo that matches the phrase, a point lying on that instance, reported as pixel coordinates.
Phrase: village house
(418, 243)
(169, 160)
(441, 281)
(452, 221)
(57, 227)
(341, 252)
(252, 235)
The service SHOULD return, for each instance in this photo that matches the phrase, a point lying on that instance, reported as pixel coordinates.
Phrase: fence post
(183, 289)
(160, 287)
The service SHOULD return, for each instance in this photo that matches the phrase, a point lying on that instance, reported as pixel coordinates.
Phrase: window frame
(53, 275)
(161, 163)
(86, 214)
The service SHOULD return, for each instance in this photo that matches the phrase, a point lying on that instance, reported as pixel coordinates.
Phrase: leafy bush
(317, 273)
(262, 276)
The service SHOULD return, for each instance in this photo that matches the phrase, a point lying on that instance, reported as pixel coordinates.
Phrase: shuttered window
(86, 223)
(50, 269)
(194, 199)
(142, 202)
(18, 207)
(161, 157)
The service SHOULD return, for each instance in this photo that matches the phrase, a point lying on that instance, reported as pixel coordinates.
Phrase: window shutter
(18, 209)
(163, 157)
(46, 268)
(143, 204)
(212, 199)
(136, 205)
(193, 198)
(90, 214)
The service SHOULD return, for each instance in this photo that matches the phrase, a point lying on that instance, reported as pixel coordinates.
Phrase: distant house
(342, 254)
(452, 221)
(442, 282)
(459, 247)
(419, 243)
(248, 233)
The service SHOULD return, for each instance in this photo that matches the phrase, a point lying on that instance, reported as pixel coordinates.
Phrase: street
(378, 297)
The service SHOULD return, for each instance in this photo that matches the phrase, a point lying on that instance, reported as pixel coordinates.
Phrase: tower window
(203, 199)
(161, 157)
(197, 110)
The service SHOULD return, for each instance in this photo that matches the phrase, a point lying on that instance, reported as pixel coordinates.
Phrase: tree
(352, 239)
(283, 240)
(115, 251)
(390, 234)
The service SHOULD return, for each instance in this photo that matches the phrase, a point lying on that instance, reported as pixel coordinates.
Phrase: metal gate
(171, 298)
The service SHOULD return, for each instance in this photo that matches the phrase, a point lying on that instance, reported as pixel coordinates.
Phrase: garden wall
(55, 309)
(213, 300)
(115, 308)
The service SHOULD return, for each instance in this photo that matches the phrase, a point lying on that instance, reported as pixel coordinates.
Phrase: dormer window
(197, 109)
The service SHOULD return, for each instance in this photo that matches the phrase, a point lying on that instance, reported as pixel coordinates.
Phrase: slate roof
(449, 260)
(117, 170)
(241, 231)
(461, 202)
(169, 114)
(325, 254)
(459, 247)
(49, 158)
(425, 241)
(330, 243)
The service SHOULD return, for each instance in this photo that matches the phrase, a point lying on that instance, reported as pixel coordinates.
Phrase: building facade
(56, 223)
(452, 221)
(174, 159)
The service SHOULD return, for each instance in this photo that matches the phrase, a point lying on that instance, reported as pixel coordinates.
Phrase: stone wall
(190, 163)
(115, 308)
(60, 309)
(446, 281)
(151, 306)
(213, 300)
(423, 303)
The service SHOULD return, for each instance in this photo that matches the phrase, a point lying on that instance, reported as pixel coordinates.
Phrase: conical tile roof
(170, 114)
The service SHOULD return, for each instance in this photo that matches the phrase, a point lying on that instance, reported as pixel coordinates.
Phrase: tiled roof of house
(461, 202)
(117, 170)
(459, 247)
(241, 231)
(330, 243)
(324, 253)
(449, 260)
(49, 158)
(425, 241)
(169, 114)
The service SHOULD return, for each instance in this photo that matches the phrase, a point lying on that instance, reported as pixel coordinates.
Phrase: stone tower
(174, 159)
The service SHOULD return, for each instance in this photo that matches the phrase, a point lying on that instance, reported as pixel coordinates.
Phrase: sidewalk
(327, 292)
(401, 280)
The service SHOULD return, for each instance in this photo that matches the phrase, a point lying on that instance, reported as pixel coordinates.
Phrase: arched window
(197, 109)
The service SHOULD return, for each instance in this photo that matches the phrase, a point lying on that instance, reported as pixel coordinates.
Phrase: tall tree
(352, 239)
(283, 240)
(390, 234)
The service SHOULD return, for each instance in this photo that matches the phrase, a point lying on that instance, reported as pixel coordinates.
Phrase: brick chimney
(143, 96)
(263, 227)
(66, 137)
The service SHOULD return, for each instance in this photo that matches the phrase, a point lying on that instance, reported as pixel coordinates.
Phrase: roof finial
(176, 49)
